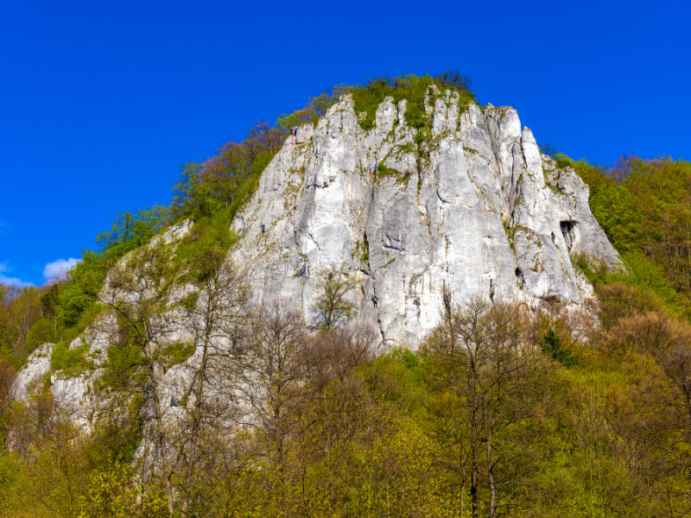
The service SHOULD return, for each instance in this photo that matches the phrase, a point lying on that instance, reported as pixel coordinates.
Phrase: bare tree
(271, 383)
(137, 294)
(218, 314)
(340, 411)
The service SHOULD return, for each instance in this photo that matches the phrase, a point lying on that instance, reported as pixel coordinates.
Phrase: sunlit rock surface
(476, 210)
(472, 211)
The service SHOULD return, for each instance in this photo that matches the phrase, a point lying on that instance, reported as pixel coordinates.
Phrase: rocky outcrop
(472, 210)
(35, 373)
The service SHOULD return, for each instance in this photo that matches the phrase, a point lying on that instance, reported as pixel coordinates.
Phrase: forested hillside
(503, 411)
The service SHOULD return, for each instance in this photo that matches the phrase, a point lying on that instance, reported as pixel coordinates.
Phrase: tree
(219, 314)
(271, 383)
(219, 184)
(551, 345)
(20, 309)
(454, 78)
(179, 379)
(338, 419)
(485, 372)
(549, 150)
(333, 304)
(139, 325)
(7, 377)
(130, 231)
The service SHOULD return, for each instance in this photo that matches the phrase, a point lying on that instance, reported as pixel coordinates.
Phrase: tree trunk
(167, 472)
(490, 469)
(474, 468)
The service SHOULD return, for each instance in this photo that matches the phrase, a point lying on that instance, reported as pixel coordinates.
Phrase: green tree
(130, 231)
(551, 345)
(487, 374)
(333, 304)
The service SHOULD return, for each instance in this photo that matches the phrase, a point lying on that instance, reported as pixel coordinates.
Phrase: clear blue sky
(102, 101)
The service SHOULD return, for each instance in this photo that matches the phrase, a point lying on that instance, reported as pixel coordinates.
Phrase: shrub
(619, 300)
(651, 332)
(369, 96)
(71, 362)
(552, 346)
(40, 333)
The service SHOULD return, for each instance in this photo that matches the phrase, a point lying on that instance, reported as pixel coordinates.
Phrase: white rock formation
(34, 373)
(473, 210)
(476, 211)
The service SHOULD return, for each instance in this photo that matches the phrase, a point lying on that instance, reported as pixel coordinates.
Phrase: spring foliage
(502, 412)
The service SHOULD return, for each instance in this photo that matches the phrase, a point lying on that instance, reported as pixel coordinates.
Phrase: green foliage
(176, 353)
(644, 273)
(389, 172)
(117, 493)
(619, 215)
(246, 189)
(333, 305)
(49, 301)
(130, 231)
(552, 346)
(71, 362)
(10, 467)
(401, 377)
(563, 161)
(315, 108)
(204, 247)
(369, 96)
(40, 333)
(642, 205)
(80, 293)
(124, 356)
(222, 183)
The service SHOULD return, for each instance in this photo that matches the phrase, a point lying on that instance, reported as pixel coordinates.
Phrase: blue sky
(100, 102)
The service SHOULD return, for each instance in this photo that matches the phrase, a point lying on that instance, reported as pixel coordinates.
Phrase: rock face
(471, 210)
(34, 373)
(474, 210)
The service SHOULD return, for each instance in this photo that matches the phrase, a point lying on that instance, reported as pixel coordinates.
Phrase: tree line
(246, 411)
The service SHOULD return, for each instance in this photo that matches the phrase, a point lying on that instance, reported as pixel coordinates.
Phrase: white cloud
(12, 281)
(59, 267)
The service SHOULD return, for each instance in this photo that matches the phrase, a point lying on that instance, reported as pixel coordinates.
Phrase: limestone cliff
(473, 210)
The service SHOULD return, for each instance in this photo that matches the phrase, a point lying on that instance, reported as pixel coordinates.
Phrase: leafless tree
(271, 383)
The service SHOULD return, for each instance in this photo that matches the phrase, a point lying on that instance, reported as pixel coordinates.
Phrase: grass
(389, 172)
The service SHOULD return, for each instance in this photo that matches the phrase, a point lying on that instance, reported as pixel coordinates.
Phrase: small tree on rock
(332, 306)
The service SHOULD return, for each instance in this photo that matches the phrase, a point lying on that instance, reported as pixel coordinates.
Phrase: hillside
(392, 302)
